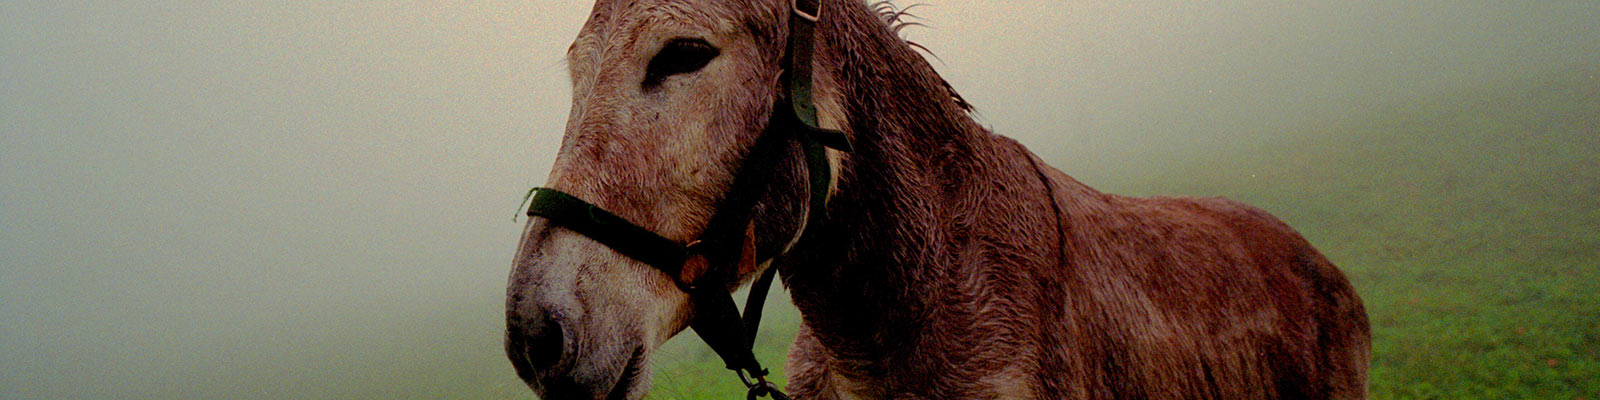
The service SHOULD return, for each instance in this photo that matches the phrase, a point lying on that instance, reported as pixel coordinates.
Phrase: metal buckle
(795, 5)
(759, 376)
(761, 387)
(766, 389)
(690, 251)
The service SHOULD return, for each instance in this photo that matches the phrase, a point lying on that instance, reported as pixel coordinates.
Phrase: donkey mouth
(629, 378)
(564, 386)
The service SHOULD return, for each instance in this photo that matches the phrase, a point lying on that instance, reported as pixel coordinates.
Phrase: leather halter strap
(722, 251)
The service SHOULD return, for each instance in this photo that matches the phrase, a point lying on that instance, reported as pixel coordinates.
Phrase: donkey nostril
(544, 344)
(534, 345)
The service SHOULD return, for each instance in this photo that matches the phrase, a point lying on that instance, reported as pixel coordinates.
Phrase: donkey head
(668, 98)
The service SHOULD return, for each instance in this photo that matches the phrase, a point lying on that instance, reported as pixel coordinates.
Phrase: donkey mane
(862, 47)
(898, 19)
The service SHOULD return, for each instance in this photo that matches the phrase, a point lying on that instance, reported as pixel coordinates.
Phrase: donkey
(947, 262)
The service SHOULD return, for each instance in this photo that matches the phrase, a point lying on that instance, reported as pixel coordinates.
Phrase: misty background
(314, 200)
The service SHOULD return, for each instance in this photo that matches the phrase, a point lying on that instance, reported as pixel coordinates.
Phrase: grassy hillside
(1470, 223)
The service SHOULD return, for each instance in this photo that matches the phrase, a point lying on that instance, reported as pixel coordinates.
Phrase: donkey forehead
(620, 31)
(627, 23)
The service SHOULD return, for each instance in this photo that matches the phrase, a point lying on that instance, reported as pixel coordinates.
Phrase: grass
(686, 369)
(1469, 223)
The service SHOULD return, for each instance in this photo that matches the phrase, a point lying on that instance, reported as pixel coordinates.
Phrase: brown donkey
(948, 262)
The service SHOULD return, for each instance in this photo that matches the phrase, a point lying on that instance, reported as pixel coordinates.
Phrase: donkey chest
(995, 385)
(816, 373)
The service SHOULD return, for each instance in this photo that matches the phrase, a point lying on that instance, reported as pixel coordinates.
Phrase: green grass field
(1469, 223)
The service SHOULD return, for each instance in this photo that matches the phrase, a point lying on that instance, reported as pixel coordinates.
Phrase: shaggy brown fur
(955, 264)
(951, 264)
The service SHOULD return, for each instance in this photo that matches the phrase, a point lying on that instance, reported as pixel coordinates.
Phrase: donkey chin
(608, 378)
(582, 321)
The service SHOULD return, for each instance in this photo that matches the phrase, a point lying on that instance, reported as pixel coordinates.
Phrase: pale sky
(240, 199)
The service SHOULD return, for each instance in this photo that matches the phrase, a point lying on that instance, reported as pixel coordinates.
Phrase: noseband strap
(726, 239)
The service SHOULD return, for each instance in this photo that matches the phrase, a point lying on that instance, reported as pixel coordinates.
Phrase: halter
(707, 267)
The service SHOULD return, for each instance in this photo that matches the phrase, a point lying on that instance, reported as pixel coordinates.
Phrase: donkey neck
(869, 272)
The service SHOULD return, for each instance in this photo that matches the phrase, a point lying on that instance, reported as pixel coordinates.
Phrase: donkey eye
(679, 56)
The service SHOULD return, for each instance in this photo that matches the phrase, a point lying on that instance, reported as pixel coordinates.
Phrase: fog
(315, 200)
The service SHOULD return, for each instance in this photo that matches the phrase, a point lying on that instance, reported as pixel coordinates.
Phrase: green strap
(752, 304)
(615, 232)
(716, 321)
(714, 313)
(802, 40)
(830, 138)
